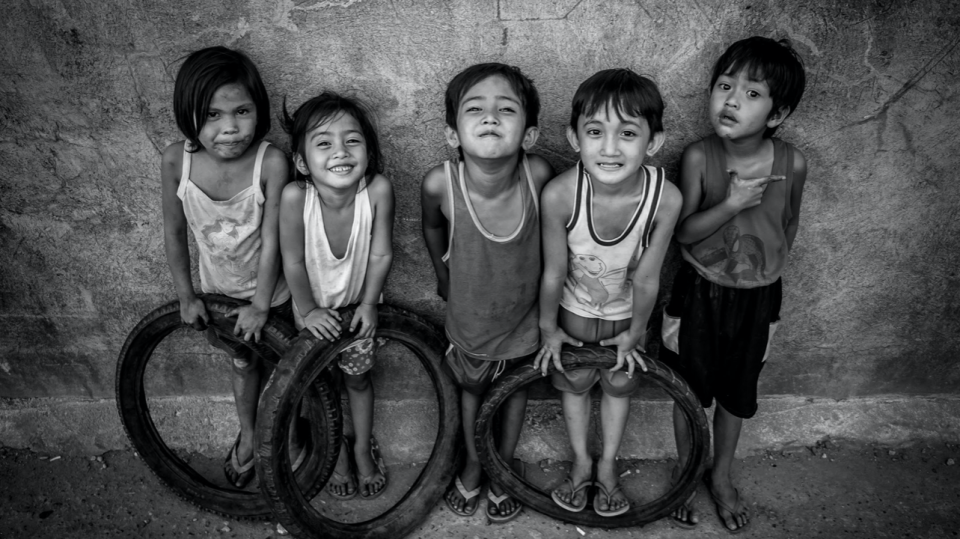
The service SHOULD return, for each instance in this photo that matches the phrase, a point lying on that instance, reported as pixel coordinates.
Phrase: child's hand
(743, 194)
(250, 320)
(443, 287)
(629, 348)
(366, 316)
(323, 323)
(552, 343)
(194, 313)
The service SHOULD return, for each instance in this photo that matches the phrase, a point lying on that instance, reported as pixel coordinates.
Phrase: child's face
(231, 122)
(335, 153)
(490, 121)
(740, 107)
(612, 148)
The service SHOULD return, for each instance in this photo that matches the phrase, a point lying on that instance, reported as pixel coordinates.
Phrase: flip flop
(573, 492)
(683, 524)
(602, 491)
(365, 480)
(500, 518)
(238, 475)
(467, 495)
(720, 506)
(340, 479)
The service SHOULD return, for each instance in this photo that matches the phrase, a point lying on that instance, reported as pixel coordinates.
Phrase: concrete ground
(833, 489)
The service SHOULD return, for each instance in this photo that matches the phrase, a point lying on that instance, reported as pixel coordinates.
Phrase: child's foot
(370, 468)
(572, 494)
(684, 516)
(343, 483)
(610, 500)
(502, 507)
(730, 507)
(238, 466)
(463, 501)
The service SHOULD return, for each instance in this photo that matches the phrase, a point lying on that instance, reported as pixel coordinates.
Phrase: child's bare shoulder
(695, 154)
(274, 159)
(293, 194)
(435, 182)
(670, 199)
(561, 188)
(172, 155)
(380, 187)
(540, 170)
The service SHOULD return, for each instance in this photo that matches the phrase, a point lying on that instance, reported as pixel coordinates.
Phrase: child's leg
(576, 415)
(246, 394)
(613, 420)
(726, 435)
(681, 433)
(511, 423)
(471, 473)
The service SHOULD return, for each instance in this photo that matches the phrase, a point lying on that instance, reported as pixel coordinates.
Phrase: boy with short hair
(482, 228)
(734, 236)
(607, 224)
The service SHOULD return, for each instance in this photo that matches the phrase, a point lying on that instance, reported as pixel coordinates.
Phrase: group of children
(526, 260)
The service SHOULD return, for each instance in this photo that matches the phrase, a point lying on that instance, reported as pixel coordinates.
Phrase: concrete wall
(872, 295)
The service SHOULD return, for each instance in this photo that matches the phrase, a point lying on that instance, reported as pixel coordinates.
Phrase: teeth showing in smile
(609, 166)
(341, 169)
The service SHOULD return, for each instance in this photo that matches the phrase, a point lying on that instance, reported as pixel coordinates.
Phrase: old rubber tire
(322, 410)
(308, 358)
(585, 357)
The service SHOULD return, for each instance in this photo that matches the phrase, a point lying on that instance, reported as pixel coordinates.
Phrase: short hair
(630, 93)
(201, 75)
(473, 75)
(764, 59)
(329, 106)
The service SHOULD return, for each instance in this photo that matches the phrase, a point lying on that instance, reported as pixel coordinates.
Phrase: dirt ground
(835, 489)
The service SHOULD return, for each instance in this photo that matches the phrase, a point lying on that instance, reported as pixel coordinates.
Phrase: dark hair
(329, 106)
(201, 75)
(473, 75)
(631, 94)
(764, 59)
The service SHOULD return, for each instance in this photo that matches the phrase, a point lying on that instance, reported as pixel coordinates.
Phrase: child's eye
(723, 86)
(355, 141)
(323, 144)
(212, 114)
(753, 93)
(242, 112)
(593, 132)
(629, 134)
(473, 109)
(507, 109)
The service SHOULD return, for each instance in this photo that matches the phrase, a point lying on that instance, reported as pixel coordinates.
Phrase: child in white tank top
(336, 232)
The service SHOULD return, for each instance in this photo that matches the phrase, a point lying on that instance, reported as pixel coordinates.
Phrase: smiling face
(490, 121)
(231, 122)
(741, 107)
(335, 153)
(613, 147)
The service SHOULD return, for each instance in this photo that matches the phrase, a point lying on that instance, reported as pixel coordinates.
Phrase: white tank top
(228, 235)
(599, 281)
(335, 282)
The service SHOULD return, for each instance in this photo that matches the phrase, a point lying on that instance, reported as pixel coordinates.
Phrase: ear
(452, 138)
(656, 143)
(777, 118)
(301, 164)
(530, 138)
(572, 139)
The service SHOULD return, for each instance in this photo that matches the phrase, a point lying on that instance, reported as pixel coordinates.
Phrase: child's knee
(618, 384)
(576, 381)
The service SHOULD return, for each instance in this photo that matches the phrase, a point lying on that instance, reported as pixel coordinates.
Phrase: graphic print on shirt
(222, 239)
(595, 286)
(741, 256)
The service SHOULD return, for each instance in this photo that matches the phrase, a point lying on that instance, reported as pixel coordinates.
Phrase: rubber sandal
(365, 480)
(573, 492)
(602, 491)
(683, 524)
(238, 475)
(719, 505)
(340, 479)
(467, 495)
(500, 518)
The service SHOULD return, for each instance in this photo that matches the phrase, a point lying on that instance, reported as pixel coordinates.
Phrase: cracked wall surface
(872, 296)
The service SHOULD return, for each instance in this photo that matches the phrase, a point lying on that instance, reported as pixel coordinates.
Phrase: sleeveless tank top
(749, 250)
(335, 282)
(599, 281)
(228, 235)
(492, 307)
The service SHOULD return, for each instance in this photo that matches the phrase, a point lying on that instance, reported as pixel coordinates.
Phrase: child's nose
(230, 124)
(609, 145)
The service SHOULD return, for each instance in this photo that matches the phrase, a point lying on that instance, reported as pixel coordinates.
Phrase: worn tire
(321, 409)
(579, 358)
(310, 357)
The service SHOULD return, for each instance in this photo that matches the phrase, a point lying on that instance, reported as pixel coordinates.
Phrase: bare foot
(608, 477)
(684, 516)
(470, 477)
(730, 507)
(567, 492)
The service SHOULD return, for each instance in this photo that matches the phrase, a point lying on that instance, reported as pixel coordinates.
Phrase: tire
(321, 409)
(579, 358)
(308, 358)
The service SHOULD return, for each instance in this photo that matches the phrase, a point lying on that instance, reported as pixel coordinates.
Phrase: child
(482, 229)
(734, 235)
(336, 233)
(606, 226)
(225, 182)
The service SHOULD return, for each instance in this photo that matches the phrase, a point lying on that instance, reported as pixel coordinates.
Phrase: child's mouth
(341, 169)
(489, 134)
(609, 166)
(727, 119)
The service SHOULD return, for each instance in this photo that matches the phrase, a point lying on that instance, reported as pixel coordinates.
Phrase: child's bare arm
(381, 255)
(646, 282)
(433, 191)
(796, 195)
(192, 310)
(273, 177)
(322, 323)
(541, 170)
(556, 207)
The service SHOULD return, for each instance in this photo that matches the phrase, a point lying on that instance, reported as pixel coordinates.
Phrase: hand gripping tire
(579, 358)
(321, 409)
(308, 358)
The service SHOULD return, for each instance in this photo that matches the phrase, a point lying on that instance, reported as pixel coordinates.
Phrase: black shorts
(475, 375)
(723, 338)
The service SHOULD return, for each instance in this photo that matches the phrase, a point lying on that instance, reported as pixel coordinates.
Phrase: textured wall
(872, 293)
